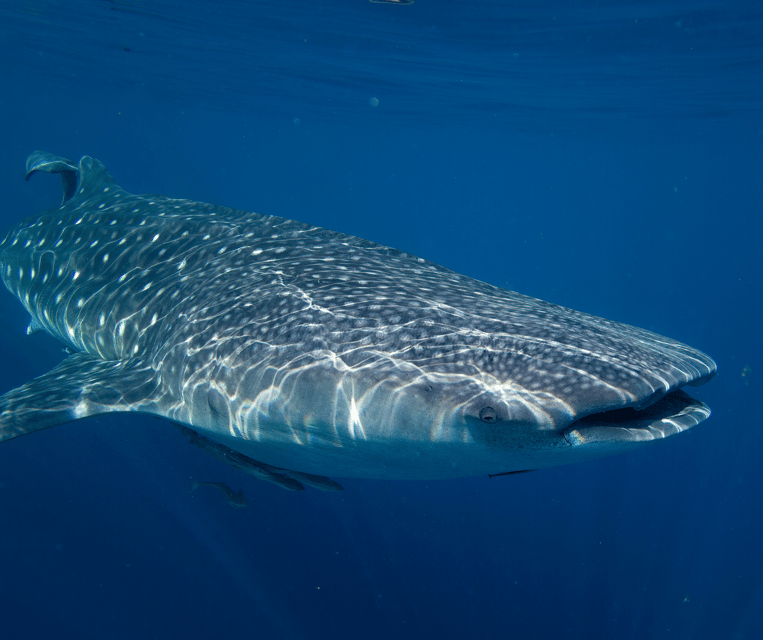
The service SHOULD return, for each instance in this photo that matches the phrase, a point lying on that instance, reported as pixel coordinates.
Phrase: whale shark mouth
(675, 412)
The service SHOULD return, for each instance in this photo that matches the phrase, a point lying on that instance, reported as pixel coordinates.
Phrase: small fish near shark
(284, 478)
(234, 499)
(296, 353)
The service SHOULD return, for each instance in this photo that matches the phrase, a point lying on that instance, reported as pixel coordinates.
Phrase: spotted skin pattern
(319, 352)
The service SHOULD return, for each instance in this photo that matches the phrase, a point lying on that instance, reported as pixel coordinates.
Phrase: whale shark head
(307, 350)
(444, 392)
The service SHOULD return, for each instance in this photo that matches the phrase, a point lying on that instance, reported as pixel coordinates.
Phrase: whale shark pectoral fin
(50, 163)
(81, 386)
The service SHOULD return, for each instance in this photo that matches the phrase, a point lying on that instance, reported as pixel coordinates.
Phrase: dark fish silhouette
(233, 499)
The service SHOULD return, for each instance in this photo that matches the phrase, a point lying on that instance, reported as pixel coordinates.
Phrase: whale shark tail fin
(80, 180)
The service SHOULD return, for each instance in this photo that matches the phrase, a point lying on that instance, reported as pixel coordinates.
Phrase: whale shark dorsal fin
(79, 179)
(80, 386)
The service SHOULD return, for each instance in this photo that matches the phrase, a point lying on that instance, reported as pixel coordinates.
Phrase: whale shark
(297, 353)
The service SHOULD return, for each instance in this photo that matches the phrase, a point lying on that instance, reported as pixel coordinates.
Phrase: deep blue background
(601, 155)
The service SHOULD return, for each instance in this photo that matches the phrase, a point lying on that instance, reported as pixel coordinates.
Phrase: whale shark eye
(488, 414)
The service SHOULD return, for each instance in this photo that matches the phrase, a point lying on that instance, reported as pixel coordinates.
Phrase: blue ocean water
(602, 155)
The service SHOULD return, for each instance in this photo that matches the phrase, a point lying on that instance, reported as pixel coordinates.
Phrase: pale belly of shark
(309, 353)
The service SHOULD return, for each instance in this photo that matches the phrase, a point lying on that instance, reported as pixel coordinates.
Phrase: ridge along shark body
(313, 353)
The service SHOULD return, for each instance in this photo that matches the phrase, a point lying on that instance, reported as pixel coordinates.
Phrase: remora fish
(284, 478)
(231, 497)
(319, 352)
